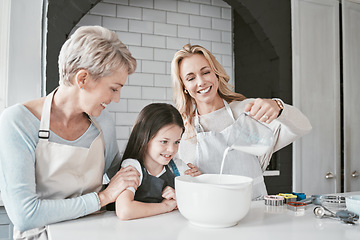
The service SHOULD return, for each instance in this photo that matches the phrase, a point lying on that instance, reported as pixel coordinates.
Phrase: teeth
(104, 105)
(166, 155)
(205, 90)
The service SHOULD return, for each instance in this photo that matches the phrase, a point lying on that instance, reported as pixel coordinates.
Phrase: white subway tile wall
(154, 30)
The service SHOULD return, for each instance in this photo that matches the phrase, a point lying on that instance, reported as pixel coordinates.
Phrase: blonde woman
(209, 109)
(55, 150)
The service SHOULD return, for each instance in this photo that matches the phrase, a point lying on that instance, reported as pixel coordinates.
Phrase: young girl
(153, 143)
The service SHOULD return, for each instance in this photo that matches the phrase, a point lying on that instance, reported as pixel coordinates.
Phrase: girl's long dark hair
(149, 121)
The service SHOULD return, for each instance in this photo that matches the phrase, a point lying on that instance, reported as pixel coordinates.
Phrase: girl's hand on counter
(264, 110)
(169, 198)
(124, 178)
(193, 171)
(169, 193)
(170, 204)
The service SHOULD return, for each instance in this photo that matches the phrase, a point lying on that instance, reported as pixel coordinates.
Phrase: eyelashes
(190, 78)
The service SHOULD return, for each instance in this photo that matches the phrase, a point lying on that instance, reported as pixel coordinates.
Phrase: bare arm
(127, 208)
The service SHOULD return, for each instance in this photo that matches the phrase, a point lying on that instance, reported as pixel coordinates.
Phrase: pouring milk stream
(250, 136)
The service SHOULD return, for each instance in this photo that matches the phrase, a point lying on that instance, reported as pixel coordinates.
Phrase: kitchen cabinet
(6, 227)
(351, 69)
(326, 60)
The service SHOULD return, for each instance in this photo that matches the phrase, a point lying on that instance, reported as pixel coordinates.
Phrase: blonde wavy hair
(95, 49)
(184, 102)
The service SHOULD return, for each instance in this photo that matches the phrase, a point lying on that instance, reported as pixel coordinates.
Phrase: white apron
(64, 171)
(209, 154)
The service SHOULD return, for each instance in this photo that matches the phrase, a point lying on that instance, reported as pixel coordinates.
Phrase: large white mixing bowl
(209, 200)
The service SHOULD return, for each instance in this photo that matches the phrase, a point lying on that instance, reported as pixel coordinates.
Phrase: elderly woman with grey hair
(55, 150)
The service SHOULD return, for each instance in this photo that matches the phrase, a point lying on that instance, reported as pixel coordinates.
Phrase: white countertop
(262, 222)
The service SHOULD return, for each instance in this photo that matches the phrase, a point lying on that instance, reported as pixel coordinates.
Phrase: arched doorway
(262, 58)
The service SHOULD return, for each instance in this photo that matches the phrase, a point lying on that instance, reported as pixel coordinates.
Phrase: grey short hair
(95, 49)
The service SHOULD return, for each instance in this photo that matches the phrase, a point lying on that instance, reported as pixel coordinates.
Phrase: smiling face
(199, 80)
(97, 94)
(162, 147)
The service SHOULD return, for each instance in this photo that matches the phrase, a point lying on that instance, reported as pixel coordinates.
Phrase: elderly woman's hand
(264, 110)
(124, 178)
